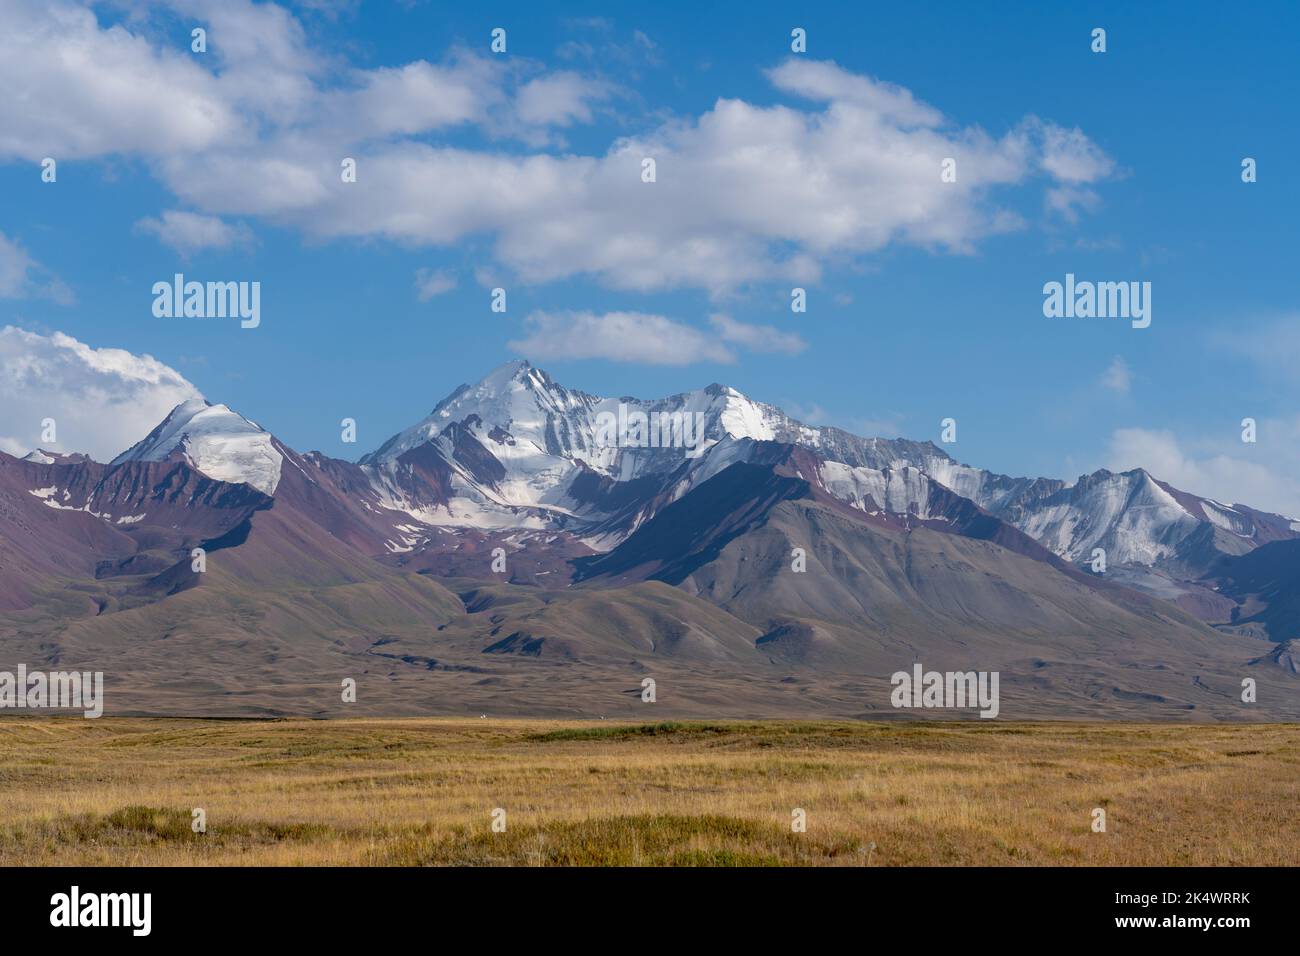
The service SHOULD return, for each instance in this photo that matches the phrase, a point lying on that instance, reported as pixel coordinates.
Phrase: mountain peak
(509, 377)
(515, 370)
(514, 395)
(43, 456)
(217, 441)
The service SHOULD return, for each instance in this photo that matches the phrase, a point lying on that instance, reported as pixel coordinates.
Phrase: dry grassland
(422, 792)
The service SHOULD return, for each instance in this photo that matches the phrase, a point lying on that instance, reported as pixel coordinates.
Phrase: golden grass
(422, 792)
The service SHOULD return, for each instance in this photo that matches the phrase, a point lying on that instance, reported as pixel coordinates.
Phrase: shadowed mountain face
(532, 549)
(1264, 587)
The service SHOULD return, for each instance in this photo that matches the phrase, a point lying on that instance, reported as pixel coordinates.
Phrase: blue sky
(1117, 166)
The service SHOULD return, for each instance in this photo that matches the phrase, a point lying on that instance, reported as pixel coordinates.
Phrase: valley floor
(123, 791)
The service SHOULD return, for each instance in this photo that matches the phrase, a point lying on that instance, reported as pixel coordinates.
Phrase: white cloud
(744, 194)
(77, 90)
(1260, 475)
(828, 82)
(488, 278)
(1071, 157)
(835, 183)
(1118, 377)
(102, 400)
(757, 338)
(190, 232)
(559, 99)
(845, 180)
(416, 98)
(22, 277)
(603, 47)
(430, 282)
(265, 66)
(1069, 201)
(619, 336)
(14, 264)
(644, 338)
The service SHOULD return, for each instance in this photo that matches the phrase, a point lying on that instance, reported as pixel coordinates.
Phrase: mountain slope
(518, 450)
(1264, 586)
(541, 549)
(732, 540)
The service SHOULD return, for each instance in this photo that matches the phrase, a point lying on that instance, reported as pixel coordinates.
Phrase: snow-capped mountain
(1137, 519)
(519, 450)
(220, 443)
(518, 454)
(624, 546)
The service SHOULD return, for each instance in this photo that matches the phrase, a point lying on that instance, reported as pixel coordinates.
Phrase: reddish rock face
(498, 527)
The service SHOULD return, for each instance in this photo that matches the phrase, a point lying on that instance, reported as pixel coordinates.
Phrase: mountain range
(532, 549)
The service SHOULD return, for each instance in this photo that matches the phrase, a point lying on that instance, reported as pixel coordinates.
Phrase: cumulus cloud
(78, 90)
(559, 99)
(647, 339)
(828, 82)
(744, 193)
(756, 338)
(1118, 377)
(848, 179)
(22, 277)
(1261, 475)
(415, 98)
(102, 400)
(190, 232)
(619, 336)
(1070, 201)
(844, 180)
(433, 282)
(1069, 156)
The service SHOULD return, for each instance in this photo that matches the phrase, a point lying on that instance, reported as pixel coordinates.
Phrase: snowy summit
(220, 443)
